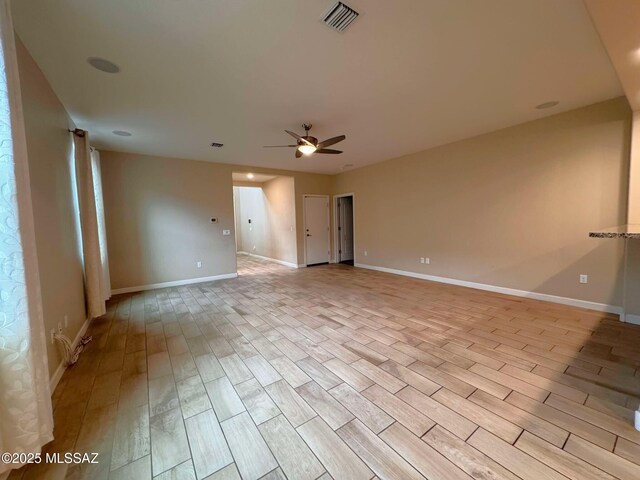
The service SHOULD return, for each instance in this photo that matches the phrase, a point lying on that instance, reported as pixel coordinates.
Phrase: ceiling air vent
(217, 145)
(339, 16)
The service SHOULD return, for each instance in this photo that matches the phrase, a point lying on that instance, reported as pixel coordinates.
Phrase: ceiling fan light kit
(307, 149)
(307, 145)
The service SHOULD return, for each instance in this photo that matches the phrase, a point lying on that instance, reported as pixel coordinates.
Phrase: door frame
(304, 226)
(336, 235)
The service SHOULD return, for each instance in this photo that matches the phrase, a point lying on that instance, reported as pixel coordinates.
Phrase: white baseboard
(176, 283)
(269, 259)
(57, 375)
(601, 307)
(629, 318)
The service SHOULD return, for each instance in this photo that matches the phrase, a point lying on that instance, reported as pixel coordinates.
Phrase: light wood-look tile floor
(336, 372)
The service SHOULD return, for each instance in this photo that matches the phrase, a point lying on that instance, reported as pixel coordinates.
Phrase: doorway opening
(344, 228)
(265, 219)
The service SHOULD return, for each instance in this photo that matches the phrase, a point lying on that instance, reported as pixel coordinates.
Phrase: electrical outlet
(254, 248)
(427, 260)
(66, 321)
(421, 259)
(366, 253)
(584, 278)
(199, 264)
(53, 332)
(226, 232)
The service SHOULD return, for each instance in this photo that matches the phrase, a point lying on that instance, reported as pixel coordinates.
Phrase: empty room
(319, 239)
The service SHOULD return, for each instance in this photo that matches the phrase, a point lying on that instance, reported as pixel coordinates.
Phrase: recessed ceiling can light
(121, 133)
(103, 65)
(544, 105)
(249, 176)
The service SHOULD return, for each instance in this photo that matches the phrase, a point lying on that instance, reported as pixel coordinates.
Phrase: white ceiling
(256, 177)
(406, 76)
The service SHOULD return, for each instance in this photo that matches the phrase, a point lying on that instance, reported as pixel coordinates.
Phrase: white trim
(304, 224)
(601, 307)
(175, 283)
(281, 262)
(336, 236)
(629, 318)
(57, 375)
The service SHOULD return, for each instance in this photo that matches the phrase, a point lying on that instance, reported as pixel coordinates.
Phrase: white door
(316, 229)
(345, 208)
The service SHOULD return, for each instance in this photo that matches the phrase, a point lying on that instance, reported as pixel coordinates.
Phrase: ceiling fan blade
(298, 153)
(299, 138)
(278, 146)
(327, 150)
(331, 141)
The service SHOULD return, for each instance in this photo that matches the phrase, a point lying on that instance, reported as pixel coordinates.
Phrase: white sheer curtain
(105, 286)
(26, 421)
(86, 179)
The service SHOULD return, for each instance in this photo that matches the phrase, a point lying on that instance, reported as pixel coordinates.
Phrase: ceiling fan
(307, 144)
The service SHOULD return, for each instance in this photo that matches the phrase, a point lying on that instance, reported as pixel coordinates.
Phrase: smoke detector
(339, 17)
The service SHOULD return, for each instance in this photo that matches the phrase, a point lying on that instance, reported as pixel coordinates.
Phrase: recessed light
(103, 65)
(544, 105)
(249, 176)
(121, 133)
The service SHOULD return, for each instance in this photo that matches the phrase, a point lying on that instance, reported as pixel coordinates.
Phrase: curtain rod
(78, 132)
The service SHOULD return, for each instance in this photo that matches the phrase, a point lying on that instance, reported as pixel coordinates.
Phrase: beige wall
(510, 208)
(157, 212)
(59, 256)
(279, 196)
(157, 215)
